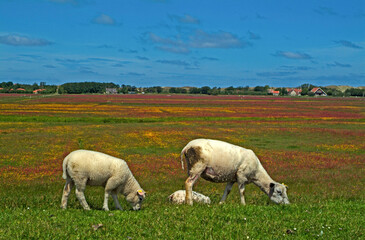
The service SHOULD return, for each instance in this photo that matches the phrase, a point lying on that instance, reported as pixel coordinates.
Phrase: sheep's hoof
(220, 203)
(106, 209)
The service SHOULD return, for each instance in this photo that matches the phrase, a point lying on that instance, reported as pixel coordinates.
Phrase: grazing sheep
(83, 167)
(179, 197)
(218, 161)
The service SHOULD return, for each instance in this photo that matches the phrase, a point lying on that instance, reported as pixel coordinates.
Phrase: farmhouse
(294, 91)
(111, 91)
(318, 92)
(273, 92)
(38, 90)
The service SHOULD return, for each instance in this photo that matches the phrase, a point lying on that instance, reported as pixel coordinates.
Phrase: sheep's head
(136, 199)
(277, 193)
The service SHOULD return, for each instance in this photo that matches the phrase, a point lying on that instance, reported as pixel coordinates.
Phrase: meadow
(316, 146)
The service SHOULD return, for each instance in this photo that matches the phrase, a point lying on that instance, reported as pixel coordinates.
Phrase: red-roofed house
(38, 90)
(294, 91)
(318, 92)
(273, 92)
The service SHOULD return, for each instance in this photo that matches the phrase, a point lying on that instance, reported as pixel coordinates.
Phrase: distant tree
(215, 91)
(86, 87)
(282, 91)
(304, 91)
(158, 89)
(356, 92)
(194, 90)
(173, 90)
(205, 90)
(35, 86)
(230, 90)
(7, 84)
(261, 88)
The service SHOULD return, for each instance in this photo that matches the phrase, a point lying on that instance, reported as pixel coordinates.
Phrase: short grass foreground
(314, 145)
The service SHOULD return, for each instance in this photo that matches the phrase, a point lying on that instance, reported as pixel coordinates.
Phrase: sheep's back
(95, 166)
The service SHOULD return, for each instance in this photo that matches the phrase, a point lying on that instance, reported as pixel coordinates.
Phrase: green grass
(35, 214)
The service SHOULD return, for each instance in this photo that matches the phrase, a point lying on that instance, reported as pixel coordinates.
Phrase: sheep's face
(277, 193)
(136, 199)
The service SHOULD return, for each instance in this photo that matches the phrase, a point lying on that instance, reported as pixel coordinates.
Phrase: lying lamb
(83, 167)
(179, 197)
(218, 161)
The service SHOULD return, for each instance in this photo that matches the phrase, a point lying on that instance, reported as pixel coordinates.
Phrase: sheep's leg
(80, 188)
(194, 174)
(189, 188)
(226, 192)
(106, 198)
(110, 187)
(242, 193)
(66, 192)
(116, 202)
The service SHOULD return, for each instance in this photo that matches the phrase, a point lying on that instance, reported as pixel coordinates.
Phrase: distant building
(294, 91)
(318, 92)
(38, 91)
(111, 91)
(273, 92)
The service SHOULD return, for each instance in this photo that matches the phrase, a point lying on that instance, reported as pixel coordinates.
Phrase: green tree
(205, 90)
(194, 90)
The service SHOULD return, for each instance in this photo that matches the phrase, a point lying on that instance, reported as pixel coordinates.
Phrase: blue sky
(183, 43)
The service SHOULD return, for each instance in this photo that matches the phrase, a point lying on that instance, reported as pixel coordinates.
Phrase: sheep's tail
(182, 157)
(64, 167)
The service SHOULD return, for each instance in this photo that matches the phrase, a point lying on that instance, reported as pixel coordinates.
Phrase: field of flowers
(314, 145)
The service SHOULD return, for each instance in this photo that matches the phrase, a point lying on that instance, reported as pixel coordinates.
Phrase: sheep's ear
(141, 193)
(286, 186)
(272, 185)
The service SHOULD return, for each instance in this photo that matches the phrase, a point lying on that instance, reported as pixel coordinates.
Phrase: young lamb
(83, 167)
(218, 161)
(179, 197)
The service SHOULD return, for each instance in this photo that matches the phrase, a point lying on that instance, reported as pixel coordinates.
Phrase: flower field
(315, 145)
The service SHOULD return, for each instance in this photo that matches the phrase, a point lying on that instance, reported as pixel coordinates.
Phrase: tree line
(100, 88)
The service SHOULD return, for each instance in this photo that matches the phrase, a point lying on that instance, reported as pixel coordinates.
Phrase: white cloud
(174, 62)
(185, 19)
(292, 55)
(220, 39)
(104, 19)
(18, 40)
(200, 39)
(349, 44)
(337, 64)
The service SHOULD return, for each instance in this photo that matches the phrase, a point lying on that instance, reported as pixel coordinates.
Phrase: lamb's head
(277, 193)
(135, 199)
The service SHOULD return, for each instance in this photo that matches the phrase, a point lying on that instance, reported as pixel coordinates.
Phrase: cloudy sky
(183, 42)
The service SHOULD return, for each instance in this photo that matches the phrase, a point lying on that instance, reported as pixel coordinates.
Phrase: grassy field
(314, 145)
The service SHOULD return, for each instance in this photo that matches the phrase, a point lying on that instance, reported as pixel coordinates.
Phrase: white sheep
(218, 161)
(83, 167)
(179, 197)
